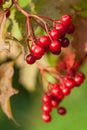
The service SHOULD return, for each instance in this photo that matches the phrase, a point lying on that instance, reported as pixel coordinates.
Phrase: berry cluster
(56, 94)
(54, 41)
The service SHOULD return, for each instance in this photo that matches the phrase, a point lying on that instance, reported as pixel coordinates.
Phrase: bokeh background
(26, 106)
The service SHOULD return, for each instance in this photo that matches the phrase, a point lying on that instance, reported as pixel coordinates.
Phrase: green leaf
(24, 3)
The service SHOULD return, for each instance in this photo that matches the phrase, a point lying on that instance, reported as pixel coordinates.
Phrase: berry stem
(39, 24)
(52, 20)
(53, 72)
(20, 9)
(29, 16)
(28, 26)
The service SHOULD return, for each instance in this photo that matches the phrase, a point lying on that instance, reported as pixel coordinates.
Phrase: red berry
(71, 29)
(46, 117)
(61, 110)
(46, 108)
(65, 91)
(1, 1)
(60, 28)
(55, 90)
(44, 41)
(61, 96)
(54, 102)
(69, 82)
(8, 13)
(30, 59)
(37, 51)
(55, 47)
(64, 42)
(79, 78)
(66, 20)
(46, 98)
(54, 34)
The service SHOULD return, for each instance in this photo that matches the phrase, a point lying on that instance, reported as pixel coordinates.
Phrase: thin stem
(44, 22)
(52, 20)
(53, 72)
(20, 9)
(42, 83)
(39, 23)
(28, 26)
(33, 34)
(31, 15)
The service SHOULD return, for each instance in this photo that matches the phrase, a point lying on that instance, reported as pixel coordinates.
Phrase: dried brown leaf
(3, 45)
(6, 89)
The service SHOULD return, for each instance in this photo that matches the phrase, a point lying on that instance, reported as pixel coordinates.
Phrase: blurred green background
(26, 106)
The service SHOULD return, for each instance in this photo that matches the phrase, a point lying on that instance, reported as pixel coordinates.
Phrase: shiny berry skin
(44, 41)
(55, 90)
(71, 29)
(54, 102)
(46, 117)
(55, 47)
(46, 99)
(64, 42)
(60, 28)
(61, 110)
(30, 59)
(61, 96)
(65, 91)
(46, 108)
(54, 34)
(37, 51)
(1, 1)
(66, 20)
(79, 78)
(69, 82)
(8, 13)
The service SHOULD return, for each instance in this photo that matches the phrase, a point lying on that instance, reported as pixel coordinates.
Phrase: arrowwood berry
(61, 110)
(46, 117)
(37, 51)
(54, 102)
(55, 47)
(71, 29)
(54, 34)
(44, 41)
(60, 97)
(55, 90)
(64, 42)
(66, 20)
(65, 91)
(30, 59)
(79, 78)
(46, 99)
(60, 28)
(69, 82)
(46, 108)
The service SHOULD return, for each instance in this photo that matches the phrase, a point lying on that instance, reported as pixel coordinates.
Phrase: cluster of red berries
(56, 94)
(54, 41)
